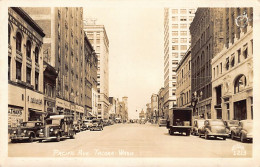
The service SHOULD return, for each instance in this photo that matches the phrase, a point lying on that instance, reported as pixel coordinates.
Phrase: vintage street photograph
(125, 82)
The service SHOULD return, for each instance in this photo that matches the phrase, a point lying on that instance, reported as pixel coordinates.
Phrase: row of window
(28, 45)
(183, 11)
(182, 33)
(182, 18)
(182, 26)
(184, 99)
(182, 47)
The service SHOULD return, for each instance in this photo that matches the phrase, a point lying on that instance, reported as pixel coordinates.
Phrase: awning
(36, 111)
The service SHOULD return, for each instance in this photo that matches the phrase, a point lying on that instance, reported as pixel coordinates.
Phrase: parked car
(197, 124)
(86, 124)
(230, 125)
(76, 125)
(27, 131)
(213, 128)
(162, 122)
(142, 121)
(105, 123)
(57, 127)
(97, 124)
(244, 131)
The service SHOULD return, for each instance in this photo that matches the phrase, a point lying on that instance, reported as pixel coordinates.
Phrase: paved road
(132, 140)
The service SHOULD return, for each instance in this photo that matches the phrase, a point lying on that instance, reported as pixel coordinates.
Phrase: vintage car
(162, 122)
(86, 124)
(213, 127)
(197, 124)
(97, 124)
(142, 121)
(27, 131)
(57, 127)
(230, 125)
(244, 131)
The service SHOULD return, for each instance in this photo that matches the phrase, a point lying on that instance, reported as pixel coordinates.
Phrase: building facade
(142, 115)
(154, 107)
(232, 69)
(90, 78)
(207, 39)
(161, 113)
(25, 68)
(98, 38)
(63, 49)
(176, 42)
(183, 91)
(148, 111)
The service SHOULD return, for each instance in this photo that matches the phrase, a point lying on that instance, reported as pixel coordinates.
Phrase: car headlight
(41, 130)
(14, 132)
(51, 129)
(24, 131)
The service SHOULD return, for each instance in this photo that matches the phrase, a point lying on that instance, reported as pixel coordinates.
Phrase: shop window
(28, 75)
(240, 84)
(18, 42)
(18, 70)
(36, 55)
(28, 49)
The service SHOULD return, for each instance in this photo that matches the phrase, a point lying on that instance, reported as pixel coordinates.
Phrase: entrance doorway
(240, 110)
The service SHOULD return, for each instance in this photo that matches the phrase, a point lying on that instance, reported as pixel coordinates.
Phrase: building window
(36, 55)
(183, 33)
(240, 84)
(238, 55)
(232, 63)
(175, 33)
(9, 34)
(183, 11)
(175, 40)
(227, 63)
(220, 68)
(190, 18)
(18, 42)
(36, 80)
(183, 25)
(183, 40)
(174, 11)
(183, 47)
(245, 52)
(18, 70)
(9, 66)
(28, 49)
(175, 47)
(175, 26)
(28, 75)
(174, 18)
(175, 55)
(183, 18)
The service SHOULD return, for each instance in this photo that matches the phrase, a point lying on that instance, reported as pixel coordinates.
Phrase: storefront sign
(36, 101)
(15, 117)
(79, 109)
(62, 103)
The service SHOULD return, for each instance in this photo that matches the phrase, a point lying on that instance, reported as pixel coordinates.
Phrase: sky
(135, 52)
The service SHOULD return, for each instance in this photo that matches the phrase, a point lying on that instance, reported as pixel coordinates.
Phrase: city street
(132, 140)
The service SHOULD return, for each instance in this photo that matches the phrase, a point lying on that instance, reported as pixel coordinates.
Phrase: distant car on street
(213, 128)
(29, 131)
(231, 125)
(162, 122)
(197, 124)
(244, 131)
(142, 121)
(86, 124)
(97, 124)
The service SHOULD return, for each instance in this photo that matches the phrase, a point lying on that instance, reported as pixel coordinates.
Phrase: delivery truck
(179, 120)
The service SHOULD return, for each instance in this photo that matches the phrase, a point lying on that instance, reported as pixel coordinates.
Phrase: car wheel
(73, 135)
(40, 141)
(13, 141)
(58, 137)
(242, 139)
(224, 138)
(31, 138)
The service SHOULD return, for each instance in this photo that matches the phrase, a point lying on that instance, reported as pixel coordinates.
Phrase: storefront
(79, 112)
(62, 106)
(34, 105)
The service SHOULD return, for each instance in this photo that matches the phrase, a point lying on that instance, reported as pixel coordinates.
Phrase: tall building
(176, 42)
(160, 103)
(25, 69)
(63, 49)
(98, 38)
(232, 68)
(125, 100)
(154, 106)
(207, 39)
(183, 91)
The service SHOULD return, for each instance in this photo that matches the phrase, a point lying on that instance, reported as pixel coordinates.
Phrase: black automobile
(97, 124)
(29, 131)
(213, 128)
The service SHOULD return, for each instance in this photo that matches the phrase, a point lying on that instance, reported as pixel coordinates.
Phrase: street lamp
(195, 99)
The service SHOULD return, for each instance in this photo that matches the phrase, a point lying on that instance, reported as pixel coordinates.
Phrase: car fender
(31, 133)
(207, 130)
